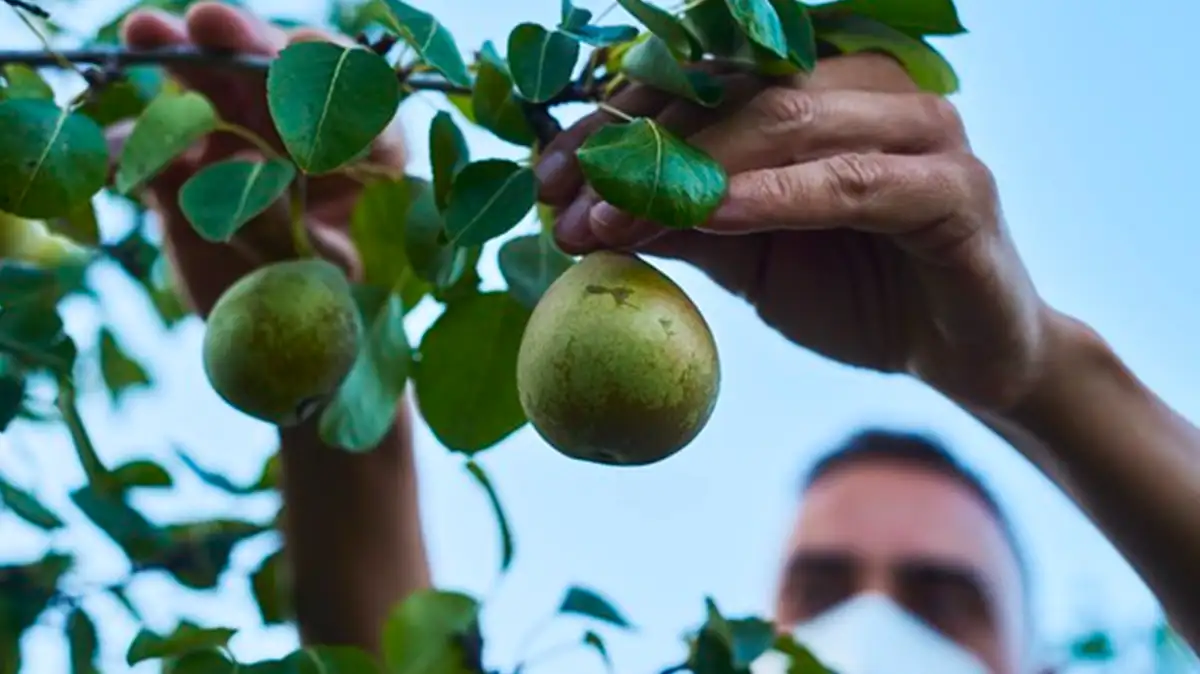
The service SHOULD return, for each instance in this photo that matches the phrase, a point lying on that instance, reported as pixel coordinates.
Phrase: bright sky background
(1085, 112)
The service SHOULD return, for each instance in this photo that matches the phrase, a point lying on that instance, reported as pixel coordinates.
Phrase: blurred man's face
(924, 539)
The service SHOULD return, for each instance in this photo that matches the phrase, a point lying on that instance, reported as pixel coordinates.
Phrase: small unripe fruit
(281, 339)
(617, 366)
(32, 242)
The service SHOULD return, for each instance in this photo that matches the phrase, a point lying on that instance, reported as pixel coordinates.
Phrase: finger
(886, 194)
(571, 229)
(784, 126)
(862, 71)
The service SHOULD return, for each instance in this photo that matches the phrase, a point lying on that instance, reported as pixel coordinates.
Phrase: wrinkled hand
(206, 269)
(857, 222)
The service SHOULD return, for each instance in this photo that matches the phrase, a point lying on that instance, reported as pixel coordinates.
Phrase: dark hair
(919, 450)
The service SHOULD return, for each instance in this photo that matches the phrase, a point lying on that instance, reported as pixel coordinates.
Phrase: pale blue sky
(1085, 112)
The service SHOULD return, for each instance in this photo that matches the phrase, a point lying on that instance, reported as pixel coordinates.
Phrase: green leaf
(79, 225)
(82, 642)
(132, 532)
(573, 17)
(26, 591)
(12, 391)
(798, 29)
(125, 99)
(377, 226)
(750, 638)
(25, 82)
(648, 172)
(542, 61)
(530, 264)
(209, 661)
(650, 61)
(431, 258)
(585, 602)
(495, 107)
(800, 659)
(448, 153)
(1095, 647)
(271, 585)
(200, 551)
(713, 650)
(468, 281)
(594, 641)
(328, 660)
(222, 197)
(429, 38)
(506, 537)
(187, 638)
(466, 378)
(26, 506)
(330, 102)
(489, 197)
(603, 36)
(425, 633)
(171, 124)
(925, 65)
(666, 26)
(50, 159)
(364, 407)
(761, 24)
(33, 333)
(119, 370)
(912, 17)
(214, 479)
(141, 473)
(716, 30)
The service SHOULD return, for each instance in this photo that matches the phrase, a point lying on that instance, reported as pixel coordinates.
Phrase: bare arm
(353, 533)
(1126, 458)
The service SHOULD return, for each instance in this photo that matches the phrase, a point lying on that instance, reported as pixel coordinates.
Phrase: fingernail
(549, 166)
(574, 230)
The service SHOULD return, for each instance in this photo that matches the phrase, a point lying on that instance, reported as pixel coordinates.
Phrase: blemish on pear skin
(620, 295)
(666, 324)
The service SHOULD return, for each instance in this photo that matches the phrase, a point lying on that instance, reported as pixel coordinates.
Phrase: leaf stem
(300, 237)
(20, 8)
(249, 136)
(621, 114)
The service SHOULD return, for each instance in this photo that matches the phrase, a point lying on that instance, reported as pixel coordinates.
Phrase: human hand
(206, 269)
(857, 222)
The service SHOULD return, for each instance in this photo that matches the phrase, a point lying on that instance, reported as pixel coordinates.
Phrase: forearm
(1128, 460)
(352, 533)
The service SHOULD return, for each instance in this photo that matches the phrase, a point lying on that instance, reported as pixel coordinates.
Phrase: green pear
(32, 242)
(617, 366)
(281, 339)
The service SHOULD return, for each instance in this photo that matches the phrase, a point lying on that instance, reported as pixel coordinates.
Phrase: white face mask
(869, 634)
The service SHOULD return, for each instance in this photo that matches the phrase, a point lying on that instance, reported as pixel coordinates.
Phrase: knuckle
(852, 177)
(783, 106)
(772, 187)
(944, 115)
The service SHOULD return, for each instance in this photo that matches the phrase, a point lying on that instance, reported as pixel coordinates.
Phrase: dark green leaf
(573, 17)
(506, 538)
(542, 61)
(171, 124)
(79, 225)
(466, 377)
(585, 602)
(431, 257)
(10, 644)
(761, 24)
(330, 102)
(716, 30)
(468, 281)
(200, 551)
(1095, 647)
(925, 65)
(798, 29)
(26, 591)
(120, 371)
(602, 36)
(24, 285)
(429, 38)
(650, 61)
(12, 390)
(666, 26)
(913, 17)
(214, 479)
(448, 153)
(271, 585)
(51, 160)
(426, 631)
(594, 641)
(132, 532)
(221, 197)
(331, 660)
(209, 661)
(800, 659)
(82, 642)
(141, 473)
(25, 82)
(384, 210)
(127, 98)
(750, 638)
(33, 333)
(495, 107)
(648, 172)
(713, 650)
(26, 506)
(187, 638)
(118, 592)
(364, 407)
(489, 198)
(530, 264)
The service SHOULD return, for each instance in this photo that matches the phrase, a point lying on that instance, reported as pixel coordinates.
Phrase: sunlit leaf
(925, 65)
(589, 603)
(530, 264)
(650, 61)
(648, 172)
(25, 82)
(170, 125)
(429, 38)
(364, 407)
(489, 197)
(187, 638)
(120, 371)
(425, 633)
(665, 25)
(465, 380)
(26, 506)
(448, 153)
(51, 160)
(222, 197)
(330, 102)
(541, 61)
(506, 536)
